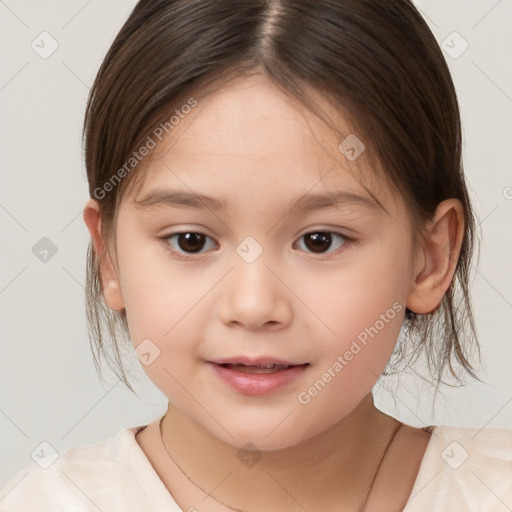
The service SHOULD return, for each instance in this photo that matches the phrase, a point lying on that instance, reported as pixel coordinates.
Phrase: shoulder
(78, 479)
(465, 469)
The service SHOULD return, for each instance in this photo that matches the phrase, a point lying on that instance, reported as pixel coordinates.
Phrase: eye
(188, 242)
(319, 242)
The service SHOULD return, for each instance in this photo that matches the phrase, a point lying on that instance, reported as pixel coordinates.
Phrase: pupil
(320, 241)
(191, 242)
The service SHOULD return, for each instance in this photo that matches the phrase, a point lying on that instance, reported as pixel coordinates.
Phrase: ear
(108, 273)
(435, 267)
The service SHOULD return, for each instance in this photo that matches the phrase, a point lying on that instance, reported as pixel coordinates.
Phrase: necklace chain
(238, 510)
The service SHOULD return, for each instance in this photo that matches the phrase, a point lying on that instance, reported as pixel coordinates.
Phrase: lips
(262, 361)
(257, 376)
(260, 368)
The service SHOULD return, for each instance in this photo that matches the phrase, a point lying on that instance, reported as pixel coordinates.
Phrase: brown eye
(191, 242)
(321, 241)
(188, 242)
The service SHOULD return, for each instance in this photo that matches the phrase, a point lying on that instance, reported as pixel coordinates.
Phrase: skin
(258, 149)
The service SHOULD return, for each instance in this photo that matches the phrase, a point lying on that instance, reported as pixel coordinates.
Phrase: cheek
(156, 294)
(160, 324)
(167, 314)
(363, 302)
(365, 311)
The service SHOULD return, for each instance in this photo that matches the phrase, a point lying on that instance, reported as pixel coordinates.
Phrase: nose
(253, 297)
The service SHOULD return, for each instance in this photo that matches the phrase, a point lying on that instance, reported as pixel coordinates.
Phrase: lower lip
(258, 383)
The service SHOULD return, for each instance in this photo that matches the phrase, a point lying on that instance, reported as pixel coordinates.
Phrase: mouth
(259, 368)
(262, 364)
(257, 377)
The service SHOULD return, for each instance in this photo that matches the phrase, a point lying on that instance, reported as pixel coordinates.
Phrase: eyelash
(192, 256)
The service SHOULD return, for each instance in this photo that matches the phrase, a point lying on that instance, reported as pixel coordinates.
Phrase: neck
(333, 468)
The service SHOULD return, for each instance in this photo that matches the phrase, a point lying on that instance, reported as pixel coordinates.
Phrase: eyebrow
(304, 204)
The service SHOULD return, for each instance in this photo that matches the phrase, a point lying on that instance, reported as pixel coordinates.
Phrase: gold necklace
(238, 510)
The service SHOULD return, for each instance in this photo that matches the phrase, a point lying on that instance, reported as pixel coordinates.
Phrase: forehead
(250, 118)
(252, 135)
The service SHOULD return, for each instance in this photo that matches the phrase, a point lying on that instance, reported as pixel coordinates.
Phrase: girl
(277, 202)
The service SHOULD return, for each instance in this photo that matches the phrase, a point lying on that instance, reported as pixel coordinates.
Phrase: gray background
(49, 387)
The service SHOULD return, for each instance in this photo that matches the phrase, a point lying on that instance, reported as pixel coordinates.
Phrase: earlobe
(113, 296)
(441, 249)
(108, 273)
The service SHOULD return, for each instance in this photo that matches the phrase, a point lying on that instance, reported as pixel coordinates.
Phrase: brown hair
(377, 62)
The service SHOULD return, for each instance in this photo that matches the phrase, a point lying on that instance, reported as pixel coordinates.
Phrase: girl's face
(272, 268)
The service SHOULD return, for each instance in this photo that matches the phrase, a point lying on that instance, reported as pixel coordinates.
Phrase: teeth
(260, 368)
(267, 366)
(270, 365)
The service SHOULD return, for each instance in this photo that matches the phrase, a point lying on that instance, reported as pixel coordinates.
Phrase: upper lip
(250, 361)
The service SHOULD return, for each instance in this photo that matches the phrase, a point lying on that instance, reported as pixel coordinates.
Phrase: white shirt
(463, 470)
